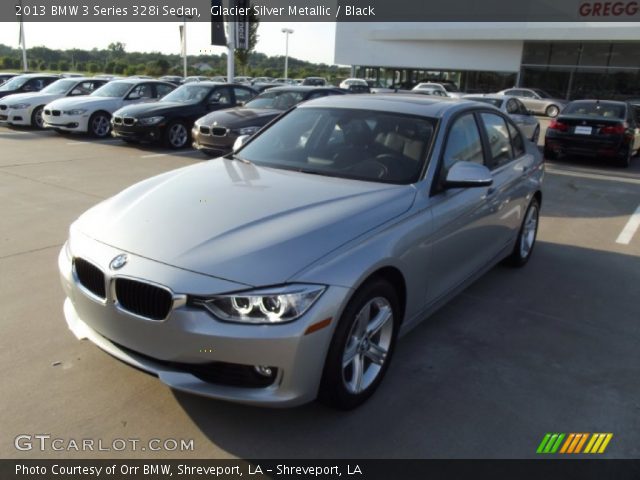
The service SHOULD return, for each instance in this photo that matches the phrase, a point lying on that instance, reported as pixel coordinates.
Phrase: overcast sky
(310, 41)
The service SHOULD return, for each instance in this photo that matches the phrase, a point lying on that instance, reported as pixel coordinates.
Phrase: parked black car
(170, 119)
(216, 132)
(595, 128)
(27, 83)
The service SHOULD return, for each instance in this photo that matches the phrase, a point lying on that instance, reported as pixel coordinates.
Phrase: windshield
(59, 87)
(113, 89)
(192, 93)
(278, 100)
(595, 109)
(14, 83)
(347, 143)
(496, 102)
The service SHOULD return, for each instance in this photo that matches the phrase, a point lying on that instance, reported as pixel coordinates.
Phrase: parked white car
(92, 114)
(25, 109)
(346, 83)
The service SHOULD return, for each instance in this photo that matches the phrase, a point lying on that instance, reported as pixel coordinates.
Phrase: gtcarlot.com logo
(574, 443)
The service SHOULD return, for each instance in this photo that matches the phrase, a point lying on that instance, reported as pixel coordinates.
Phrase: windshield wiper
(233, 156)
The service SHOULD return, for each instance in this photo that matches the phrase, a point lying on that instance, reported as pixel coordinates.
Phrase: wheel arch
(396, 279)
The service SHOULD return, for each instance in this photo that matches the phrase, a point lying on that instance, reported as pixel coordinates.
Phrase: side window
(144, 90)
(242, 94)
(512, 106)
(463, 144)
(162, 90)
(516, 140)
(528, 94)
(499, 140)
(34, 85)
(222, 96)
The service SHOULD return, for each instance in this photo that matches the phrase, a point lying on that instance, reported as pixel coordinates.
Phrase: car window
(348, 143)
(222, 95)
(243, 94)
(463, 144)
(144, 90)
(596, 109)
(34, 84)
(162, 90)
(85, 88)
(499, 140)
(516, 140)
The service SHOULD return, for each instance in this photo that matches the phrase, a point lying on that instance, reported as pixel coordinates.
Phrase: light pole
(286, 32)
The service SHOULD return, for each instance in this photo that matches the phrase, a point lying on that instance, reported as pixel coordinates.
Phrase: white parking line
(591, 176)
(630, 228)
(154, 155)
(74, 144)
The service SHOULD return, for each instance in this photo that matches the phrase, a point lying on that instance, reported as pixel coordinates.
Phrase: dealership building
(570, 60)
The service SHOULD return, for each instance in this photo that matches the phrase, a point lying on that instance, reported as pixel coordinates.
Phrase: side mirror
(240, 141)
(468, 175)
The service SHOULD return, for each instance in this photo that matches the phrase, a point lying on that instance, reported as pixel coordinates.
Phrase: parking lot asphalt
(552, 347)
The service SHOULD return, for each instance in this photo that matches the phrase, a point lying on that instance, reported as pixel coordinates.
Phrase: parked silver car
(536, 100)
(512, 106)
(286, 270)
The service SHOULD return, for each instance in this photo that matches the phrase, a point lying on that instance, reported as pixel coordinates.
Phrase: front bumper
(191, 336)
(14, 116)
(69, 123)
(219, 144)
(136, 132)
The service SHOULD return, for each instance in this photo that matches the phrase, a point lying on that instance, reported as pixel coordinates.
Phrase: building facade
(570, 60)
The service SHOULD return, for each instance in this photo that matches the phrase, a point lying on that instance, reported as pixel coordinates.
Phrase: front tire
(36, 118)
(176, 135)
(526, 236)
(100, 124)
(362, 346)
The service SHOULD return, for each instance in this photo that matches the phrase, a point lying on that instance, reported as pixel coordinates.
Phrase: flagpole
(23, 42)
(230, 50)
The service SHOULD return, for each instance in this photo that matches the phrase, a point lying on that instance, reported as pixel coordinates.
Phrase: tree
(116, 49)
(93, 67)
(242, 55)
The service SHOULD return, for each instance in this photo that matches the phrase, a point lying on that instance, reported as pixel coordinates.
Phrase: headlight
(246, 130)
(265, 306)
(150, 120)
(74, 112)
(20, 106)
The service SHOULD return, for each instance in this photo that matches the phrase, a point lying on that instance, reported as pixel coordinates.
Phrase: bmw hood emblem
(118, 262)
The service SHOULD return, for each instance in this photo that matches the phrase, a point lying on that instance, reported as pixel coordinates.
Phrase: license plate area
(581, 130)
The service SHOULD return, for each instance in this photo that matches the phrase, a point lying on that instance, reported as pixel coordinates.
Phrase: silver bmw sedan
(286, 271)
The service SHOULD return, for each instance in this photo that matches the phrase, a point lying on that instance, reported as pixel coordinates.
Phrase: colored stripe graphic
(573, 443)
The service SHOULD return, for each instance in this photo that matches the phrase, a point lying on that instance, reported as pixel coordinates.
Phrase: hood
(31, 97)
(156, 108)
(239, 117)
(89, 102)
(240, 222)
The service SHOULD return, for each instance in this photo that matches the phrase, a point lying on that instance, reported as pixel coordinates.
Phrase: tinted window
(279, 99)
(190, 93)
(522, 110)
(222, 95)
(499, 140)
(512, 106)
(463, 143)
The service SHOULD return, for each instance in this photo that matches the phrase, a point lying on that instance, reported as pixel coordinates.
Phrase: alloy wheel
(529, 230)
(367, 345)
(100, 126)
(178, 135)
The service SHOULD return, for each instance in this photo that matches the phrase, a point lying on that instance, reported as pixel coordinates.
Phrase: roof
(410, 103)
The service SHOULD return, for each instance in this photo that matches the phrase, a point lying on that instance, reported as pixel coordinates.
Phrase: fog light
(264, 371)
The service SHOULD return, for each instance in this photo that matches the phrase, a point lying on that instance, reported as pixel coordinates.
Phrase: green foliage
(120, 62)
